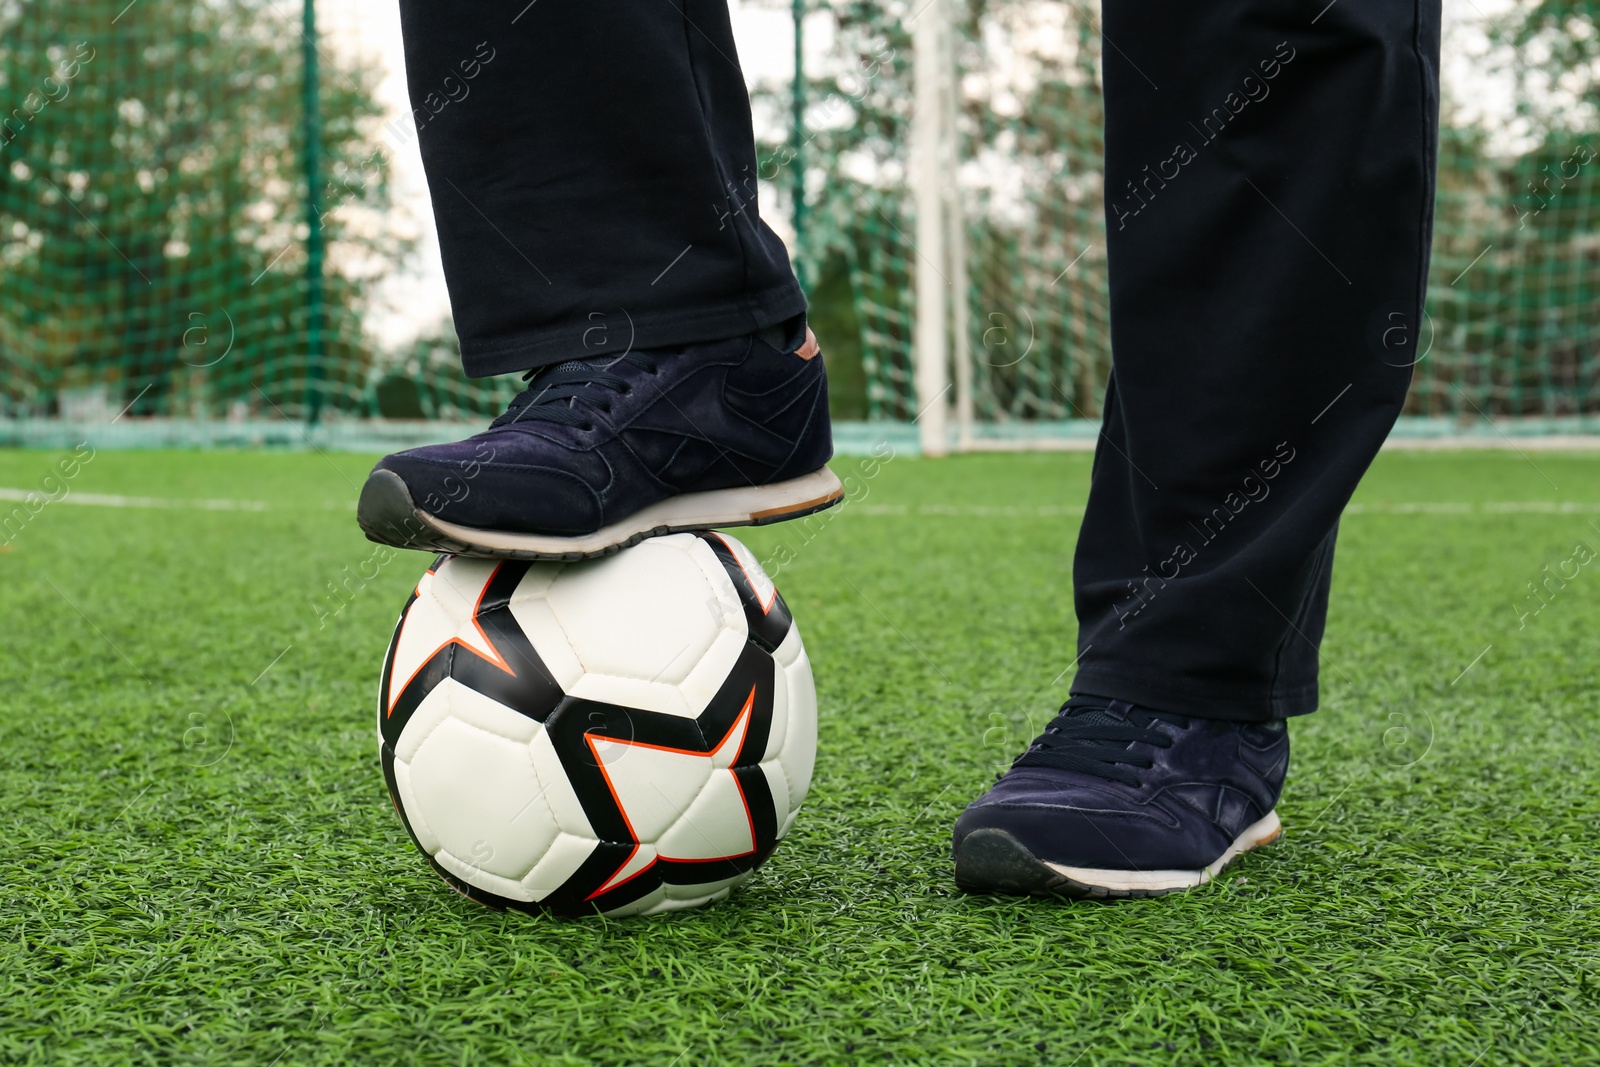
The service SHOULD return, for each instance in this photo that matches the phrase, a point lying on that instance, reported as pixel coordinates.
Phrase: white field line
(1051, 511)
(952, 511)
(965, 511)
(111, 499)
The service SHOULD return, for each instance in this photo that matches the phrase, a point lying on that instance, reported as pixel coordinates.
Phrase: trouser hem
(716, 321)
(1202, 701)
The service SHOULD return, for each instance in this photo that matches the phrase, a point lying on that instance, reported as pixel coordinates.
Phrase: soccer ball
(626, 735)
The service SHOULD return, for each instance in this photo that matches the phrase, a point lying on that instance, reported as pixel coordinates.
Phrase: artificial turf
(199, 863)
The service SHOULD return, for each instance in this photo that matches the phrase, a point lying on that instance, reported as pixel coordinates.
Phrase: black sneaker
(1115, 800)
(600, 453)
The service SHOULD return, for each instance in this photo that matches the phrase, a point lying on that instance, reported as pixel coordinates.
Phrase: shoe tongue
(1097, 713)
(1098, 717)
(1084, 715)
(578, 364)
(1119, 712)
(536, 377)
(1116, 713)
(550, 368)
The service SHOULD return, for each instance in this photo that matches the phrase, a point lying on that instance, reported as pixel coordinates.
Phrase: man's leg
(595, 183)
(1269, 186)
(593, 176)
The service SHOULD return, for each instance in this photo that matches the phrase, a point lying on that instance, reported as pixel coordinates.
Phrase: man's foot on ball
(1114, 800)
(600, 453)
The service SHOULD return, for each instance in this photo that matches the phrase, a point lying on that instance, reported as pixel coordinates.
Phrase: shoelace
(572, 393)
(1091, 739)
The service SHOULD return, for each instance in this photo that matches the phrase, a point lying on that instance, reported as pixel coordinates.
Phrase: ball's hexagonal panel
(559, 796)
(536, 580)
(546, 634)
(481, 799)
(799, 752)
(458, 582)
(715, 824)
(434, 709)
(652, 785)
(565, 855)
(648, 613)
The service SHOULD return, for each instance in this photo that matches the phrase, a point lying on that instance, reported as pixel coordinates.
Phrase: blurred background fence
(195, 194)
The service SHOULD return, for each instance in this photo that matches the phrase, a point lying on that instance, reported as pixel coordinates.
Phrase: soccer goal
(975, 250)
(191, 253)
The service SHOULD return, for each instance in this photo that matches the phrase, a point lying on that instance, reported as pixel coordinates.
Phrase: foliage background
(153, 215)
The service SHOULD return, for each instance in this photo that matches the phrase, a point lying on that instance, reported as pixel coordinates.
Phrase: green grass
(200, 863)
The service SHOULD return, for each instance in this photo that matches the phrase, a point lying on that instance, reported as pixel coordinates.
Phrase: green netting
(170, 245)
(152, 205)
(187, 232)
(1513, 305)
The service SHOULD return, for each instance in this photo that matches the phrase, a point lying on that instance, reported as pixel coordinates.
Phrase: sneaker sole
(389, 516)
(992, 861)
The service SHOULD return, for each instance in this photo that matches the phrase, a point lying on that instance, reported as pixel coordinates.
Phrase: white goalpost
(933, 161)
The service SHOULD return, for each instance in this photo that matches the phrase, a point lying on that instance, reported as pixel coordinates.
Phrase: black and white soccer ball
(626, 735)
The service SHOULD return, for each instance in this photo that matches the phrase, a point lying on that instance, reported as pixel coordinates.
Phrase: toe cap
(525, 498)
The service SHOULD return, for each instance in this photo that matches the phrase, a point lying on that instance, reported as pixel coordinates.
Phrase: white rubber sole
(992, 861)
(388, 515)
(1258, 833)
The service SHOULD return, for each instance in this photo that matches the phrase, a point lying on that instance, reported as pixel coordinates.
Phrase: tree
(152, 203)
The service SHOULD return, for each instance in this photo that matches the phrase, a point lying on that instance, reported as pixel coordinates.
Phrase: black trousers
(594, 181)
(1269, 189)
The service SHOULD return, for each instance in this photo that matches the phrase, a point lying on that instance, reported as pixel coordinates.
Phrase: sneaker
(597, 454)
(1114, 800)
